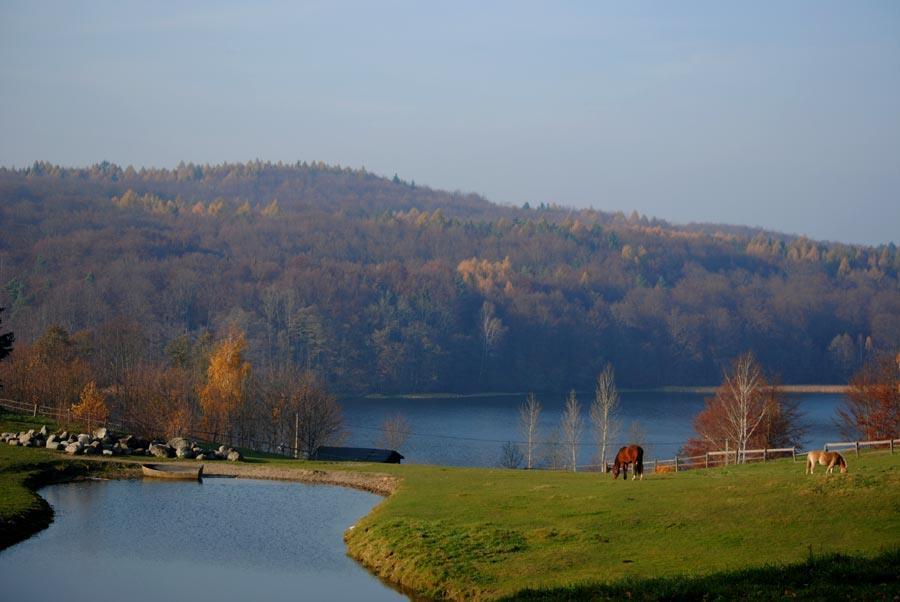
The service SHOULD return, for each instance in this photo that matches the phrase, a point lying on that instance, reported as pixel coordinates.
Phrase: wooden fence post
(726, 452)
(765, 453)
(707, 459)
(794, 453)
(892, 446)
(856, 446)
(676, 463)
(34, 414)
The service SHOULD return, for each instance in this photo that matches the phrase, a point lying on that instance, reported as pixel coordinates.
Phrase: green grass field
(491, 533)
(473, 533)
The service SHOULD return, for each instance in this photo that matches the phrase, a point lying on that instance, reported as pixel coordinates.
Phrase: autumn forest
(382, 285)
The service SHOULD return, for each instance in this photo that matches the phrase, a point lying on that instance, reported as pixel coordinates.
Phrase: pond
(471, 431)
(221, 540)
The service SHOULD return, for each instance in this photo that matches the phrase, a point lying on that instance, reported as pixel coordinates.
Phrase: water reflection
(222, 539)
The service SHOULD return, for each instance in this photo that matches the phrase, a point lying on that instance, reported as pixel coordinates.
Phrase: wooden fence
(857, 445)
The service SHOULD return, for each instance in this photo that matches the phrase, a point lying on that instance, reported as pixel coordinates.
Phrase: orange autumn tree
(222, 397)
(871, 408)
(92, 406)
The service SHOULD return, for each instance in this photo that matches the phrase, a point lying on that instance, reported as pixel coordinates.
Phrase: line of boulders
(103, 441)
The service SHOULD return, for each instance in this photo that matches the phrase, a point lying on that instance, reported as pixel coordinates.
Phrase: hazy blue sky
(779, 114)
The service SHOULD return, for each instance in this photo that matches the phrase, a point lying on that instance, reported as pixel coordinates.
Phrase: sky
(784, 115)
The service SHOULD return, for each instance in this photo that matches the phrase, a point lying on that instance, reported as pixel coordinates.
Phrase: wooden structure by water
(356, 454)
(173, 471)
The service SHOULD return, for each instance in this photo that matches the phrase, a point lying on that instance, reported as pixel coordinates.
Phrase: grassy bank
(759, 530)
(478, 533)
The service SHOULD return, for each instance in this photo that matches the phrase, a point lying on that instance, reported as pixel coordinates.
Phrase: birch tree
(491, 330)
(223, 396)
(604, 411)
(572, 427)
(742, 400)
(529, 415)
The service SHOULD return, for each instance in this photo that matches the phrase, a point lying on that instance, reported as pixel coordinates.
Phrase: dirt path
(381, 484)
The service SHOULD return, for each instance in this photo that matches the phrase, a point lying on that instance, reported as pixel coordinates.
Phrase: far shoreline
(704, 390)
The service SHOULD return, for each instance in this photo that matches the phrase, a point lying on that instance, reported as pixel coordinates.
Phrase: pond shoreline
(33, 520)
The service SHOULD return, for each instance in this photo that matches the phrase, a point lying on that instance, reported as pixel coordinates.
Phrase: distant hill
(387, 286)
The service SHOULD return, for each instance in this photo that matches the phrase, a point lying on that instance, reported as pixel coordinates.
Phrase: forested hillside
(384, 286)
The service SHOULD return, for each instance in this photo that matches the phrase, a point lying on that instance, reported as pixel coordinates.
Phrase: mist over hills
(384, 285)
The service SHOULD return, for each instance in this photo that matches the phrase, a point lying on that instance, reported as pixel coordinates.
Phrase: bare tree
(491, 330)
(512, 455)
(637, 435)
(743, 401)
(529, 415)
(317, 414)
(553, 455)
(871, 407)
(604, 412)
(395, 430)
(572, 427)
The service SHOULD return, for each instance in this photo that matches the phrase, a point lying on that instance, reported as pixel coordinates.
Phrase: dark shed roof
(356, 454)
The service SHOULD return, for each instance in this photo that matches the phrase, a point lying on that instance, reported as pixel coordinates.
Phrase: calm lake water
(471, 431)
(219, 540)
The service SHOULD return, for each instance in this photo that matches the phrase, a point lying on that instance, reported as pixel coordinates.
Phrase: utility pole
(297, 435)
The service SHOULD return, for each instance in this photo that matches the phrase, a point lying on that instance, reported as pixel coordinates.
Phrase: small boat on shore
(172, 471)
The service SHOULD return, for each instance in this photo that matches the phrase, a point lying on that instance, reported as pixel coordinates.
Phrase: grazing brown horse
(829, 459)
(630, 454)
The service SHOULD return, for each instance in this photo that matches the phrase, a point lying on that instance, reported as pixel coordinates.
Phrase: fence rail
(856, 445)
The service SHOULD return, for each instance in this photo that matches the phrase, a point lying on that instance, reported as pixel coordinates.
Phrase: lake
(219, 540)
(471, 431)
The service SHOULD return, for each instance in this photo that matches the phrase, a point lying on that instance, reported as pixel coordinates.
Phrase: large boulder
(25, 439)
(184, 452)
(13, 442)
(52, 443)
(91, 451)
(160, 450)
(73, 448)
(180, 443)
(103, 434)
(43, 431)
(84, 439)
(234, 456)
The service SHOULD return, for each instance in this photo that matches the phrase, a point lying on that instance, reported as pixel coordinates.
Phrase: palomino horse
(825, 458)
(630, 454)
